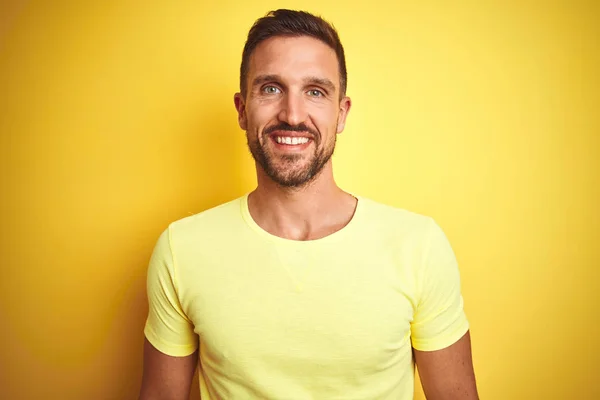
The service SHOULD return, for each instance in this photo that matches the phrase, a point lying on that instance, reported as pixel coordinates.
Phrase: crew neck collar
(331, 238)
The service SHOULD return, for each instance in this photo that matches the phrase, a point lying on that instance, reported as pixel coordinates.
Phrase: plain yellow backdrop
(117, 118)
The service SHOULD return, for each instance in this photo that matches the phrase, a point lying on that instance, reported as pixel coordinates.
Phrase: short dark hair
(292, 23)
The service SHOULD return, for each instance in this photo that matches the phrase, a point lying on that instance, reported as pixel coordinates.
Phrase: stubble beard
(286, 171)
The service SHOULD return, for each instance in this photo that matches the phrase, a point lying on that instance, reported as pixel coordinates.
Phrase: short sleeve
(439, 320)
(167, 327)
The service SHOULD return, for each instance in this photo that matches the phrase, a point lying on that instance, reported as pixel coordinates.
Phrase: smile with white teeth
(291, 140)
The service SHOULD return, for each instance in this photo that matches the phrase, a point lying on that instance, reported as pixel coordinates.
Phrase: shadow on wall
(216, 155)
(209, 153)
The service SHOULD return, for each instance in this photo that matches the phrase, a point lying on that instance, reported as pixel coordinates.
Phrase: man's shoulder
(385, 213)
(404, 228)
(216, 218)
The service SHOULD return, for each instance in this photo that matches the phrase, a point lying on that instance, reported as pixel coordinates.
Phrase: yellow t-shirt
(333, 318)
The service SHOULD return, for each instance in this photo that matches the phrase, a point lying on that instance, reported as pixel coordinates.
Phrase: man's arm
(166, 377)
(170, 345)
(448, 374)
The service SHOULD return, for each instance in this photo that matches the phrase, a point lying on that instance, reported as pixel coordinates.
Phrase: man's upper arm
(166, 377)
(440, 329)
(170, 348)
(448, 373)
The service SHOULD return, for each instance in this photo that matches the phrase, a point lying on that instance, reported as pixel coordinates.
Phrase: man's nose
(293, 110)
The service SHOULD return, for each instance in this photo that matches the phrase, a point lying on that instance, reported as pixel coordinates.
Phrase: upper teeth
(291, 140)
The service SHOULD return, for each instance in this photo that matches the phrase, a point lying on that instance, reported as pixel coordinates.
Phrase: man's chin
(294, 178)
(293, 184)
(290, 180)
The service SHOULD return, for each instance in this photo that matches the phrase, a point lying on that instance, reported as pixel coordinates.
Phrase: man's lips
(291, 134)
(298, 140)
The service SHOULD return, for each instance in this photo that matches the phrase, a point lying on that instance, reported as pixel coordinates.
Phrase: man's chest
(301, 308)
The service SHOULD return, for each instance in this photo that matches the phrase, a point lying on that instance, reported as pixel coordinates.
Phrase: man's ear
(345, 105)
(240, 106)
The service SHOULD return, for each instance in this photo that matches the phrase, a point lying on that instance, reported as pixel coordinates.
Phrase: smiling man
(300, 290)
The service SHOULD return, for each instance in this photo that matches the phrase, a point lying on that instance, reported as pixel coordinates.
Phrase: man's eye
(315, 93)
(271, 90)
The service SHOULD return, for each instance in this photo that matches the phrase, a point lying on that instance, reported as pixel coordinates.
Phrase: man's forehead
(286, 56)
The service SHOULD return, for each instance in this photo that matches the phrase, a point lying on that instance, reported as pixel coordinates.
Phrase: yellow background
(117, 118)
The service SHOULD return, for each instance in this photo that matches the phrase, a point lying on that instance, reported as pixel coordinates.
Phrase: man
(300, 290)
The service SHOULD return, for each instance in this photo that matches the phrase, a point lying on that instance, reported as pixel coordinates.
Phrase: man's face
(292, 110)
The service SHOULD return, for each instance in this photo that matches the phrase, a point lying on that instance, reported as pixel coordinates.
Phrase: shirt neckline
(331, 238)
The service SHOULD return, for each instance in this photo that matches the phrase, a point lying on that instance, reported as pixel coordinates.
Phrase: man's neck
(313, 211)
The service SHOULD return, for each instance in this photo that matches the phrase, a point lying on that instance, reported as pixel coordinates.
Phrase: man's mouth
(291, 140)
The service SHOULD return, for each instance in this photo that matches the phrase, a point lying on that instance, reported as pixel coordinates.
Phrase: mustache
(291, 128)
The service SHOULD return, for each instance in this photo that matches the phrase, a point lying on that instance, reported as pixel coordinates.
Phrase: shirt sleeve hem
(442, 342)
(167, 348)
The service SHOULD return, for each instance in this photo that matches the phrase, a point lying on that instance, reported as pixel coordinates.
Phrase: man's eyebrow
(326, 83)
(259, 80)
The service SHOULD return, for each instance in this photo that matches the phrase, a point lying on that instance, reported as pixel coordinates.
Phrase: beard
(291, 170)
